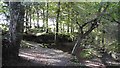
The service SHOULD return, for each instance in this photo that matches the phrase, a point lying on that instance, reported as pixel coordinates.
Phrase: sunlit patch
(109, 62)
(114, 63)
(58, 51)
(49, 60)
(42, 58)
(87, 61)
(92, 65)
(23, 53)
(45, 56)
(26, 56)
(61, 55)
(37, 34)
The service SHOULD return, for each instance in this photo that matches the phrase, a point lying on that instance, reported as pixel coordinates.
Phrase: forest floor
(39, 56)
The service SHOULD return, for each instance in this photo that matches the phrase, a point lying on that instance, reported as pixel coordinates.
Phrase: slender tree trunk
(43, 17)
(34, 19)
(16, 27)
(30, 20)
(37, 17)
(47, 18)
(26, 17)
(68, 25)
(71, 29)
(29, 17)
(57, 21)
(68, 28)
(72, 19)
(103, 38)
(63, 28)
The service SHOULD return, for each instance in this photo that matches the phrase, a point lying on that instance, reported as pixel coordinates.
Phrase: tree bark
(47, 18)
(30, 18)
(57, 21)
(38, 17)
(26, 17)
(16, 27)
(93, 26)
(63, 26)
(68, 25)
(43, 18)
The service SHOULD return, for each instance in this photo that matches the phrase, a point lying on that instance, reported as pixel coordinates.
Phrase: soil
(39, 56)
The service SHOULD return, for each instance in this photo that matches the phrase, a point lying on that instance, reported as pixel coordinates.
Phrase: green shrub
(86, 53)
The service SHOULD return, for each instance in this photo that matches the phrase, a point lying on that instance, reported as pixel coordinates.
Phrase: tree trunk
(47, 18)
(57, 21)
(16, 27)
(37, 17)
(63, 27)
(34, 18)
(82, 36)
(30, 17)
(68, 27)
(26, 31)
(95, 24)
(43, 17)
(77, 44)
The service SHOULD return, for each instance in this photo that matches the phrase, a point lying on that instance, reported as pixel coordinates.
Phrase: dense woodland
(83, 29)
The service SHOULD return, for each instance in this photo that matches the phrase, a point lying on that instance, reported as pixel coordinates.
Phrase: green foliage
(70, 13)
(4, 27)
(36, 30)
(74, 59)
(87, 53)
(113, 46)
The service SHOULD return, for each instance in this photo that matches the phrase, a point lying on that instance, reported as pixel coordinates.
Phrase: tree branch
(93, 26)
(99, 14)
(96, 21)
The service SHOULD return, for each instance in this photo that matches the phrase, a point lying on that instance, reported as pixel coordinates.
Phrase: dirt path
(46, 56)
(39, 56)
(54, 57)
